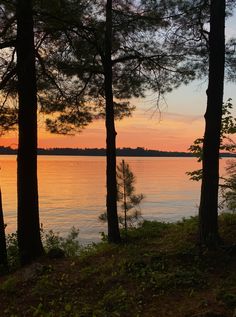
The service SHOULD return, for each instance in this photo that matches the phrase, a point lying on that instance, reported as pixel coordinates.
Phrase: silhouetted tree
(126, 196)
(208, 210)
(28, 225)
(112, 217)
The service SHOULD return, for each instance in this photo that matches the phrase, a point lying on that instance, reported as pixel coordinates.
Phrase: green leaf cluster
(228, 128)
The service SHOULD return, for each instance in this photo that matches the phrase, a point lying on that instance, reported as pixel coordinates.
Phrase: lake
(72, 191)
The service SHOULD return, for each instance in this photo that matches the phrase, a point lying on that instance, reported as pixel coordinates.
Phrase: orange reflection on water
(72, 190)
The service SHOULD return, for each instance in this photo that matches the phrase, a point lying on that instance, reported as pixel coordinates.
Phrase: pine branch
(48, 75)
(11, 43)
(7, 77)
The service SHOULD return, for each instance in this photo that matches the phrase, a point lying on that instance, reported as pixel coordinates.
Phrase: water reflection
(72, 190)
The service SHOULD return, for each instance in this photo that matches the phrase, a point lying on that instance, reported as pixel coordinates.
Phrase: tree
(112, 217)
(59, 90)
(126, 195)
(208, 210)
(129, 201)
(119, 53)
(28, 227)
(3, 247)
(8, 114)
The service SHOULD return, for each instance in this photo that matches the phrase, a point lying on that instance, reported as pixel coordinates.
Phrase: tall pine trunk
(28, 226)
(112, 217)
(3, 247)
(208, 211)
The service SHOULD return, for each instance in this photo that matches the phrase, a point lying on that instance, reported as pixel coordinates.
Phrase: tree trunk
(29, 240)
(208, 211)
(3, 247)
(112, 217)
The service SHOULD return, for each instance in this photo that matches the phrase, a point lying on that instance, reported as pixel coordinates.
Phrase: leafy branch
(228, 127)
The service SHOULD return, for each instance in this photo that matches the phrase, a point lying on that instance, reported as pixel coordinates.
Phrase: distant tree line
(126, 151)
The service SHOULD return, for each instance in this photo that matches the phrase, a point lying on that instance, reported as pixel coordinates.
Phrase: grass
(159, 272)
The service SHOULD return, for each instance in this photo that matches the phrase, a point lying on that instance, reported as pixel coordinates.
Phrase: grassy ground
(159, 272)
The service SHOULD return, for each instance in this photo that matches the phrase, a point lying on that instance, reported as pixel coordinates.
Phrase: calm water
(72, 191)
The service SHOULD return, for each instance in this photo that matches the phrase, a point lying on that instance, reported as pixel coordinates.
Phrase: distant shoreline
(135, 152)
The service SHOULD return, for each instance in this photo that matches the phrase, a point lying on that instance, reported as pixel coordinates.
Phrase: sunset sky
(174, 129)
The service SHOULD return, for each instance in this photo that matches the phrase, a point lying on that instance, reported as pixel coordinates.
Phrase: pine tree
(28, 225)
(129, 202)
(208, 210)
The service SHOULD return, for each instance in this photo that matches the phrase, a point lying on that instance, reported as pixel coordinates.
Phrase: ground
(160, 271)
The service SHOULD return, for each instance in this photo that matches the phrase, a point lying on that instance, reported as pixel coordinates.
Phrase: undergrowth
(54, 245)
(158, 271)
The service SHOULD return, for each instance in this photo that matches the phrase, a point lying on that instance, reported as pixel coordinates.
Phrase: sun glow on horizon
(167, 132)
(174, 128)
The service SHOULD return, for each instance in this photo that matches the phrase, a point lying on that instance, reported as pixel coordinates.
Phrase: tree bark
(28, 225)
(208, 211)
(112, 217)
(3, 247)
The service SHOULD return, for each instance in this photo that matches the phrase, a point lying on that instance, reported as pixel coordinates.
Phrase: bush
(69, 246)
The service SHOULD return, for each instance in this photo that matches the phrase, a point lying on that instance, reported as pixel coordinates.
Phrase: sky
(174, 128)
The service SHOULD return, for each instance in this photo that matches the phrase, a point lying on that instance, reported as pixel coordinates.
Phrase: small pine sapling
(129, 202)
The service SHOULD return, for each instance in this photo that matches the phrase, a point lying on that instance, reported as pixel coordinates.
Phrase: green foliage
(229, 219)
(70, 244)
(196, 149)
(114, 303)
(9, 286)
(228, 188)
(43, 286)
(160, 265)
(41, 311)
(228, 297)
(148, 230)
(191, 278)
(228, 127)
(12, 251)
